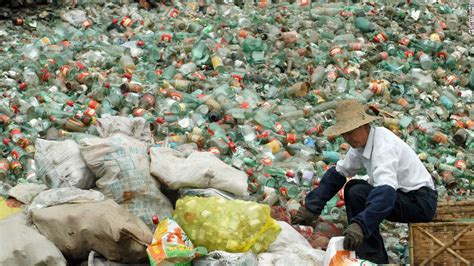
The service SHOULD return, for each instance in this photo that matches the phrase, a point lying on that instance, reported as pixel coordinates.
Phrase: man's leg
(414, 206)
(355, 197)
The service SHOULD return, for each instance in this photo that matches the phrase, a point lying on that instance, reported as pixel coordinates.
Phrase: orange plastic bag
(337, 256)
(171, 244)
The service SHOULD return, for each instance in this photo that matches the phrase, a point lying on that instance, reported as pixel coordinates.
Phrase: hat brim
(341, 128)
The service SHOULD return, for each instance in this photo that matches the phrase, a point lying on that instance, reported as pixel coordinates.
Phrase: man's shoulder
(385, 138)
(383, 129)
(383, 132)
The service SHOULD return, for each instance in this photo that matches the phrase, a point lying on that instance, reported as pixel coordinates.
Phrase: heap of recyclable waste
(226, 100)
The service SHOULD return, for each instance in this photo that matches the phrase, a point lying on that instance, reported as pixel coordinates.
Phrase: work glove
(305, 217)
(353, 237)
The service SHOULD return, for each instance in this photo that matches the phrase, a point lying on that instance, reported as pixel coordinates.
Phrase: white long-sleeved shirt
(388, 160)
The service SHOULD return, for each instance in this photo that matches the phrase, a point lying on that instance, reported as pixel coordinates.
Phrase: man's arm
(351, 164)
(333, 180)
(330, 184)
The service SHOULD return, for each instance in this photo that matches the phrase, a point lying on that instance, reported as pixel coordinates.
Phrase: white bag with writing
(337, 256)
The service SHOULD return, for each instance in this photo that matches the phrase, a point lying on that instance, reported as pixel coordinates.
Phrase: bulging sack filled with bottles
(170, 244)
(60, 164)
(228, 225)
(122, 165)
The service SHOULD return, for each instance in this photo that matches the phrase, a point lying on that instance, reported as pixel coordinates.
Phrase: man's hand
(353, 237)
(305, 217)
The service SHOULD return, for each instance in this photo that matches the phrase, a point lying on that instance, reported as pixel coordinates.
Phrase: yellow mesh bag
(229, 225)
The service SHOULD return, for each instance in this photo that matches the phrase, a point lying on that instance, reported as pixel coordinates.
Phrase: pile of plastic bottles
(253, 82)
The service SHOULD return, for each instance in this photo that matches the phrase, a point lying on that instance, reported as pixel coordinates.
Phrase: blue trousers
(414, 206)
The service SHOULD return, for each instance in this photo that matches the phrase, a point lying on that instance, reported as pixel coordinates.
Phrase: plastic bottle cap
(340, 203)
(127, 76)
(80, 65)
(23, 86)
(384, 55)
(264, 134)
(155, 219)
(249, 172)
(409, 54)
(266, 161)
(45, 76)
(244, 105)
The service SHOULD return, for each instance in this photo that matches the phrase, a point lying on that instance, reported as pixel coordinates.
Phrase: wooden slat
(455, 210)
(412, 256)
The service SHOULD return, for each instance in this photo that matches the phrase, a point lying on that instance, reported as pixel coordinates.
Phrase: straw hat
(350, 114)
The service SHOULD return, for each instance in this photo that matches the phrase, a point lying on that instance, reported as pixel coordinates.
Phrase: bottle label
(451, 79)
(214, 150)
(173, 13)
(90, 112)
(460, 164)
(86, 24)
(291, 138)
(166, 37)
(65, 70)
(45, 41)
(126, 21)
(334, 51)
(4, 166)
(304, 2)
(380, 37)
(216, 62)
(404, 41)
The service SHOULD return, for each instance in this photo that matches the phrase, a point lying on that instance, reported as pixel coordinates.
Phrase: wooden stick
(412, 255)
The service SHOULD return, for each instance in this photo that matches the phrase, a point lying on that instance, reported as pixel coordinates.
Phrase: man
(399, 187)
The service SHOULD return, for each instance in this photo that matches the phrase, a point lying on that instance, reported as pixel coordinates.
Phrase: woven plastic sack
(290, 248)
(60, 164)
(197, 169)
(171, 244)
(21, 244)
(58, 196)
(26, 192)
(136, 127)
(222, 258)
(228, 225)
(122, 165)
(104, 226)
